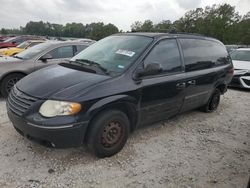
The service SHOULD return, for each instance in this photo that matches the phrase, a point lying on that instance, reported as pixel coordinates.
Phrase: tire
(8, 82)
(108, 133)
(213, 102)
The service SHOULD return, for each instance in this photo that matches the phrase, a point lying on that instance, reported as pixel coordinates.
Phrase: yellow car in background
(21, 47)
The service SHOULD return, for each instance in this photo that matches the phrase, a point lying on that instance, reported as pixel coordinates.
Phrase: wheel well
(222, 88)
(10, 74)
(126, 107)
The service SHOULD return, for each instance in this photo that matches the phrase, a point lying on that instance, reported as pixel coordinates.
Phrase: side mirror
(151, 69)
(45, 57)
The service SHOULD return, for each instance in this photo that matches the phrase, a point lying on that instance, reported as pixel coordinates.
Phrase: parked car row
(14, 41)
(21, 47)
(112, 87)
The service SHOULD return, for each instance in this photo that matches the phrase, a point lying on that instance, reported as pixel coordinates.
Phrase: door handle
(191, 82)
(181, 85)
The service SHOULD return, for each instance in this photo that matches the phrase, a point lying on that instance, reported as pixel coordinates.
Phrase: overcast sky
(122, 13)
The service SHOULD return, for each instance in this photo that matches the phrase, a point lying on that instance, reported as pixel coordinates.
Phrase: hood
(47, 82)
(4, 49)
(241, 64)
(7, 59)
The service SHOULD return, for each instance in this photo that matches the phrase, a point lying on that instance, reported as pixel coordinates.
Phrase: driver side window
(167, 55)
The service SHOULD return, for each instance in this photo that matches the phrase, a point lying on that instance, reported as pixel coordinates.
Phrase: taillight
(231, 71)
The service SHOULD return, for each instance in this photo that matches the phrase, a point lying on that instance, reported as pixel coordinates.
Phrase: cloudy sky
(122, 13)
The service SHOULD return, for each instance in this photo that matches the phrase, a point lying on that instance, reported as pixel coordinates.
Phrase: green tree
(4, 31)
(136, 26)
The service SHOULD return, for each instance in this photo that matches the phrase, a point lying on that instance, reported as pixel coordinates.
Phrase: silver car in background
(241, 62)
(12, 69)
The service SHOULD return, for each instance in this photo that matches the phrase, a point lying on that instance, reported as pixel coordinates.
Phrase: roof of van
(158, 35)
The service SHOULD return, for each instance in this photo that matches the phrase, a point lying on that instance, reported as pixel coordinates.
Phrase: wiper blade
(92, 63)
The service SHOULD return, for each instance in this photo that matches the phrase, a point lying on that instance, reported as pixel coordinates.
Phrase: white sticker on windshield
(121, 66)
(125, 52)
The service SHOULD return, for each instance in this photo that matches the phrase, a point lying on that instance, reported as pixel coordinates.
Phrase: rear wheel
(8, 82)
(213, 102)
(108, 133)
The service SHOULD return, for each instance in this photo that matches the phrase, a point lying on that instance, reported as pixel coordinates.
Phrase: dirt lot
(194, 149)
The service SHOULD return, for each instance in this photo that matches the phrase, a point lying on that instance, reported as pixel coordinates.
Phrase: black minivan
(118, 84)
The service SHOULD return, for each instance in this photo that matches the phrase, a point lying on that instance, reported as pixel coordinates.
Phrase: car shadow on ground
(239, 89)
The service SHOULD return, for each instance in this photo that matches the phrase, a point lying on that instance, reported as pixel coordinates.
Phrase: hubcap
(11, 83)
(112, 134)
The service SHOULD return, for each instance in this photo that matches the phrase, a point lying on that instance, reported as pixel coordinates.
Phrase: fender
(125, 102)
(109, 101)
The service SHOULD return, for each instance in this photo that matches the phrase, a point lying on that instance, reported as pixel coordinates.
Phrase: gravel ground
(194, 149)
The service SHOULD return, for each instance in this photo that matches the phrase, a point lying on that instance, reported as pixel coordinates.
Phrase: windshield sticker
(121, 66)
(125, 52)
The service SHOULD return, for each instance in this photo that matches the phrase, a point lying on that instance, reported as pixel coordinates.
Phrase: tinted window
(241, 55)
(34, 43)
(62, 52)
(20, 40)
(80, 48)
(202, 54)
(165, 53)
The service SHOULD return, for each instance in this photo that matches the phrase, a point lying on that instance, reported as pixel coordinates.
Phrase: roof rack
(170, 31)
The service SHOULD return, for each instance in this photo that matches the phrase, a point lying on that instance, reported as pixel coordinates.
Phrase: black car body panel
(58, 79)
(146, 99)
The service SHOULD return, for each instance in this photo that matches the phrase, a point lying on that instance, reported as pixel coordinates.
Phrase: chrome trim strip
(57, 127)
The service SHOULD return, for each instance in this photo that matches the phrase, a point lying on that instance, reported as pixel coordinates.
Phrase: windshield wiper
(17, 57)
(92, 63)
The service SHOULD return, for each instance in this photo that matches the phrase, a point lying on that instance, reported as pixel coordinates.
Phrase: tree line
(94, 31)
(219, 21)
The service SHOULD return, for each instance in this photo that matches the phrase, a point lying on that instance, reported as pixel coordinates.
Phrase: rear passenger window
(165, 53)
(202, 54)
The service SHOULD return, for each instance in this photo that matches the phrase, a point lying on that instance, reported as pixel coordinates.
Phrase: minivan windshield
(240, 55)
(33, 51)
(114, 53)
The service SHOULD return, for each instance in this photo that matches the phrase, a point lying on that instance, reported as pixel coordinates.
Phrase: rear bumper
(60, 137)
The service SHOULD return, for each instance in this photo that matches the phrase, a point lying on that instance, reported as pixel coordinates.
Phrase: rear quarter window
(203, 54)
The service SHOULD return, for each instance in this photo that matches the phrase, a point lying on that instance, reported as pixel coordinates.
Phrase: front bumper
(241, 79)
(59, 137)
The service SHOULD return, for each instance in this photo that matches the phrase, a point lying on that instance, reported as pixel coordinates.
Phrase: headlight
(52, 108)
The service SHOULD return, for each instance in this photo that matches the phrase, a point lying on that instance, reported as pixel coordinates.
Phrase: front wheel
(108, 133)
(8, 82)
(213, 102)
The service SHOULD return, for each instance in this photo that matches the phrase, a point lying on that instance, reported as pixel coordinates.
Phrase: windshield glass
(240, 55)
(11, 39)
(33, 51)
(115, 53)
(23, 45)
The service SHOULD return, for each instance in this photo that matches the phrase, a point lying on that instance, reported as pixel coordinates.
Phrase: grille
(19, 102)
(235, 81)
(246, 81)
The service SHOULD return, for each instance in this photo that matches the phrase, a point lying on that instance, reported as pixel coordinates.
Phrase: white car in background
(241, 62)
